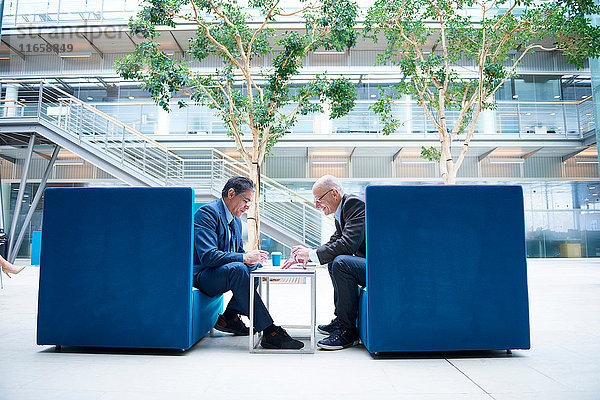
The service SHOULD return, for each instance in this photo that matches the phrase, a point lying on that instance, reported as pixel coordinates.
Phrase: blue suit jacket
(210, 237)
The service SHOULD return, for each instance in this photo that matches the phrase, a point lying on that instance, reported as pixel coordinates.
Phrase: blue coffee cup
(276, 258)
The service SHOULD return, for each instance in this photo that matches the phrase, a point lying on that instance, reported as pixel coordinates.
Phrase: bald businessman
(344, 255)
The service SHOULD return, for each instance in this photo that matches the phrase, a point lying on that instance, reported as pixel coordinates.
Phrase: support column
(595, 71)
(163, 122)
(10, 100)
(1, 203)
(13, 225)
(34, 203)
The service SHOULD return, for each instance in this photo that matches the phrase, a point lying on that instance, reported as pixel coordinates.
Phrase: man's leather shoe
(279, 339)
(339, 339)
(329, 328)
(233, 325)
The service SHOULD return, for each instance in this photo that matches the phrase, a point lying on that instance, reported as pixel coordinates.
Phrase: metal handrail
(113, 120)
(238, 164)
(242, 165)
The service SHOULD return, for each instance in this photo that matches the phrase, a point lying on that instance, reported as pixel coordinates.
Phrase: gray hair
(327, 182)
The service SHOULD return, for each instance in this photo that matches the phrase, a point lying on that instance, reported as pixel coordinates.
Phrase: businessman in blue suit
(221, 264)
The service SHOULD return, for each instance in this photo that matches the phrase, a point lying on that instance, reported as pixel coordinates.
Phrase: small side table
(277, 272)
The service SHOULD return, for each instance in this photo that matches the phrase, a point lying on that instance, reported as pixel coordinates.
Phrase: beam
(589, 141)
(397, 154)
(102, 81)
(47, 42)
(526, 156)
(15, 217)
(177, 43)
(96, 49)
(351, 154)
(573, 154)
(17, 52)
(9, 159)
(65, 84)
(46, 156)
(485, 155)
(34, 203)
(129, 37)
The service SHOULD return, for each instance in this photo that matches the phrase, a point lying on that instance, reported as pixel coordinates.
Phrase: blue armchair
(446, 269)
(116, 270)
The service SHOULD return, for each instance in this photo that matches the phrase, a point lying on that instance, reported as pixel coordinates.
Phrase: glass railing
(514, 119)
(568, 233)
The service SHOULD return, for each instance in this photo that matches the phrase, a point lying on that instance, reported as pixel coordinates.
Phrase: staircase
(47, 110)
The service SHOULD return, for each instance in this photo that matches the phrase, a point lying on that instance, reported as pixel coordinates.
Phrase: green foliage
(158, 74)
(383, 108)
(335, 17)
(494, 42)
(260, 103)
(430, 153)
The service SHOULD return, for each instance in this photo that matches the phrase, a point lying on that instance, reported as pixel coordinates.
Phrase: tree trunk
(447, 167)
(450, 178)
(253, 211)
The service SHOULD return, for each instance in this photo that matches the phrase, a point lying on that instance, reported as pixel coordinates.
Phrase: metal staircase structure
(47, 111)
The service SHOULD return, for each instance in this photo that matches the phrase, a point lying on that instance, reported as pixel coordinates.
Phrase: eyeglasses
(247, 201)
(324, 194)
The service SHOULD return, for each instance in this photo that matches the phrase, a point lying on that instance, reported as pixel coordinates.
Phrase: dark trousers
(234, 276)
(347, 272)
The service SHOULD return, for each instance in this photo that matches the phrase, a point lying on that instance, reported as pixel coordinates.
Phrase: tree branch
(262, 26)
(506, 14)
(211, 38)
(512, 69)
(308, 7)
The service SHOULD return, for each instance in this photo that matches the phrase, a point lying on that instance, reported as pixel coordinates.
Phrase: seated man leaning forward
(344, 255)
(220, 264)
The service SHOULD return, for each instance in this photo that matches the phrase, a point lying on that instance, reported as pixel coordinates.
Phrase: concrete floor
(564, 362)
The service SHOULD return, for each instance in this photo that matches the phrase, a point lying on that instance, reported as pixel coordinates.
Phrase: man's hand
(301, 254)
(254, 257)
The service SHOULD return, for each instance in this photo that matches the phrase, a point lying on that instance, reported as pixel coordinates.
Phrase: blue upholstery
(446, 269)
(36, 247)
(116, 270)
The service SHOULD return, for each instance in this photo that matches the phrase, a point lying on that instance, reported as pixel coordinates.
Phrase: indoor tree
(492, 35)
(248, 99)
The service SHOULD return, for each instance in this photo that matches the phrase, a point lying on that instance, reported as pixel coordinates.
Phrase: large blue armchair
(116, 270)
(446, 269)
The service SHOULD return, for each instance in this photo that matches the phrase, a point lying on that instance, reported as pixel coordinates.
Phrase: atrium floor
(564, 362)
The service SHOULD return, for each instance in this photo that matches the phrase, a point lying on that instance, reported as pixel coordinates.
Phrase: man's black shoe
(330, 327)
(233, 325)
(279, 339)
(339, 339)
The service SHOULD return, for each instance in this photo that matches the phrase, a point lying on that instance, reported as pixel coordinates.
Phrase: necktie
(231, 236)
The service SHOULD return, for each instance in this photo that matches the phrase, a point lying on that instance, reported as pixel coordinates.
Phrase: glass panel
(35, 11)
(76, 10)
(507, 119)
(149, 119)
(547, 88)
(524, 88)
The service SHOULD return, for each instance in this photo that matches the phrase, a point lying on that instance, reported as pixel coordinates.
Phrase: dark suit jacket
(210, 237)
(349, 236)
